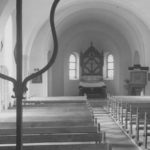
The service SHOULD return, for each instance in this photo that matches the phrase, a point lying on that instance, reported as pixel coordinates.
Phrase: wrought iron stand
(19, 84)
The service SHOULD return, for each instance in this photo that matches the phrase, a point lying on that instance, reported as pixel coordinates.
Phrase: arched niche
(136, 58)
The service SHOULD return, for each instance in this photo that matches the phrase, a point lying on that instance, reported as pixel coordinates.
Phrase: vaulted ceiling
(112, 22)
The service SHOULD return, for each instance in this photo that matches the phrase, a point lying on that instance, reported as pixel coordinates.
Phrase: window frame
(75, 63)
(108, 63)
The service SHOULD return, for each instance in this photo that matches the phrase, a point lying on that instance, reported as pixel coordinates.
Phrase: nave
(64, 122)
(116, 34)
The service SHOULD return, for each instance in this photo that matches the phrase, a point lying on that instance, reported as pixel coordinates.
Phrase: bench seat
(62, 147)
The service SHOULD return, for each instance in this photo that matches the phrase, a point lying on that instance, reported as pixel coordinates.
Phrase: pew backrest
(51, 130)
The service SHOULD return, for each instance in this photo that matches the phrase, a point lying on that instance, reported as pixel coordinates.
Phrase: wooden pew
(53, 134)
(77, 122)
(75, 126)
(67, 120)
(125, 113)
(35, 101)
(137, 107)
(56, 113)
(101, 146)
(57, 110)
(146, 128)
(52, 130)
(59, 137)
(142, 121)
(56, 134)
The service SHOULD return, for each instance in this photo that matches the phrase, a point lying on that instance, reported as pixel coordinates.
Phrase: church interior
(74, 75)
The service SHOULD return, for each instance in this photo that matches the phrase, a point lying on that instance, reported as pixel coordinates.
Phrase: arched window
(110, 67)
(73, 66)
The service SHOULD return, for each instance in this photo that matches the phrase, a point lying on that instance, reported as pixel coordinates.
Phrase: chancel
(91, 80)
(74, 74)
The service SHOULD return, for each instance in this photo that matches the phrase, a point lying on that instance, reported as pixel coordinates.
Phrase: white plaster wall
(58, 74)
(38, 59)
(6, 54)
(132, 33)
(103, 39)
(136, 35)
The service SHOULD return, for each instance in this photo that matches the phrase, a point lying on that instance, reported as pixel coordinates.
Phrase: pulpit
(138, 79)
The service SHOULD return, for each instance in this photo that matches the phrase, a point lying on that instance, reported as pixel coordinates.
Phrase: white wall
(38, 59)
(117, 30)
(80, 39)
(122, 27)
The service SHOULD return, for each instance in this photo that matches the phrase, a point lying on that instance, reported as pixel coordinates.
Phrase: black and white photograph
(74, 74)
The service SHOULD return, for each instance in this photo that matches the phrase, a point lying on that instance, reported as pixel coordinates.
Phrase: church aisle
(114, 134)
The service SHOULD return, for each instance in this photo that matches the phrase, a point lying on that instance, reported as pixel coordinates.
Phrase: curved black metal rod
(55, 50)
(15, 53)
(5, 77)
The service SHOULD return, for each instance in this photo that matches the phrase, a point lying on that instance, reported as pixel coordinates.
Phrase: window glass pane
(110, 58)
(72, 66)
(110, 65)
(72, 58)
(72, 74)
(110, 73)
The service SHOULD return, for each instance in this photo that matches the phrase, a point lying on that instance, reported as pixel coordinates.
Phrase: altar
(93, 90)
(91, 80)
